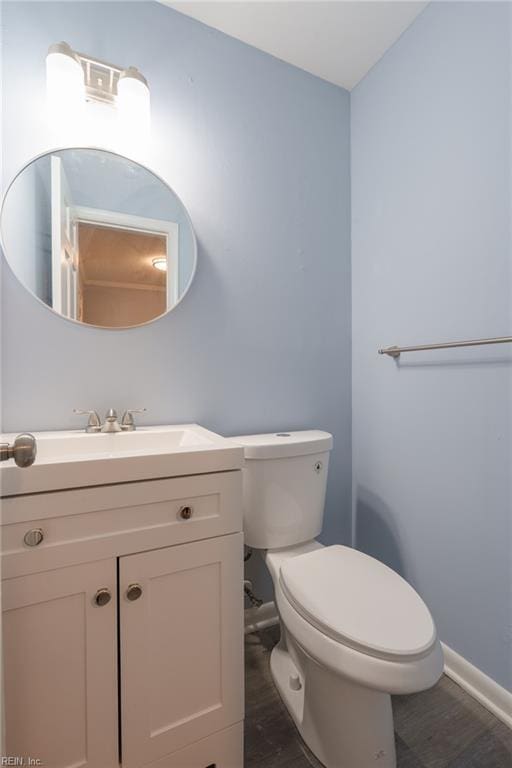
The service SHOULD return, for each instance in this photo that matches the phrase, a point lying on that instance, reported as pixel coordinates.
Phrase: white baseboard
(481, 687)
(259, 618)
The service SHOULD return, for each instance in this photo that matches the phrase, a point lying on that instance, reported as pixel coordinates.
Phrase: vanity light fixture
(65, 87)
(133, 100)
(73, 78)
(160, 263)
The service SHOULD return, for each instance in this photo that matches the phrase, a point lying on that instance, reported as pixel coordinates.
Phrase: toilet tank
(284, 482)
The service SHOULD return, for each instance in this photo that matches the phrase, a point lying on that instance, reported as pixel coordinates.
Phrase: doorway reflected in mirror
(98, 238)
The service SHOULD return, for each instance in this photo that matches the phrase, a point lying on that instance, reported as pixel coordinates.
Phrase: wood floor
(440, 728)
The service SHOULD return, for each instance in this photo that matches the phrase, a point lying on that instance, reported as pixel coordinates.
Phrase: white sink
(68, 446)
(72, 459)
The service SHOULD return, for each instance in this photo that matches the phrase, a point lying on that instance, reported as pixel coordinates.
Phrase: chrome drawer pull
(186, 512)
(34, 537)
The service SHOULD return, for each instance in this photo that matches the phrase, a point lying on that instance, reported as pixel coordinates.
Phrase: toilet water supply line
(255, 601)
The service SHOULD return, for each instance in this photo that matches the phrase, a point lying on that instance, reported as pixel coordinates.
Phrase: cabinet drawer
(92, 523)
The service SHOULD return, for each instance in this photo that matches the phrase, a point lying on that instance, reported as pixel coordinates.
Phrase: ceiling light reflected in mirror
(98, 238)
(160, 264)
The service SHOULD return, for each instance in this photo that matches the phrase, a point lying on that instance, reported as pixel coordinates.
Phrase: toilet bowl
(353, 631)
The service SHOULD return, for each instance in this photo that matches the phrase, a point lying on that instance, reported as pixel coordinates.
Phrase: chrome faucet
(111, 424)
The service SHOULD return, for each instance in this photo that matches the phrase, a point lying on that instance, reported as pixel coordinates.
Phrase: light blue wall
(259, 153)
(26, 221)
(432, 261)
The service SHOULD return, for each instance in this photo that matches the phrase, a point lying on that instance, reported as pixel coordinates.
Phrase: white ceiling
(336, 40)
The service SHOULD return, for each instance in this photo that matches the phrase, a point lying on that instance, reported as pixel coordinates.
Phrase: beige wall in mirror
(121, 281)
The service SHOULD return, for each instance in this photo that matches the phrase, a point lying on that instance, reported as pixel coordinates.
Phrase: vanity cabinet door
(181, 613)
(60, 666)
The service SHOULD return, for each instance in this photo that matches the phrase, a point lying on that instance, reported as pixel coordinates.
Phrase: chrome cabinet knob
(186, 512)
(23, 450)
(102, 596)
(34, 537)
(133, 592)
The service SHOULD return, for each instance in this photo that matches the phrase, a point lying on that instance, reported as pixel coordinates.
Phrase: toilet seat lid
(358, 601)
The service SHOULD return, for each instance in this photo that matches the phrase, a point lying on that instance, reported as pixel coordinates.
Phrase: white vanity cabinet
(123, 626)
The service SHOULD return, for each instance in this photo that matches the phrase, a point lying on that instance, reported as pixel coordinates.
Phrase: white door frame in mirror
(179, 299)
(124, 221)
(64, 244)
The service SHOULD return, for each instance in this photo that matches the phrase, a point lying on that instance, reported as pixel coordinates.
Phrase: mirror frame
(47, 306)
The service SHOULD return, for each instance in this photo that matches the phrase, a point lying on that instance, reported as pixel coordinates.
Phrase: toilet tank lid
(284, 444)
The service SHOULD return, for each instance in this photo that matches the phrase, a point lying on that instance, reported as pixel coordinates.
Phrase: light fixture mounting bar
(100, 79)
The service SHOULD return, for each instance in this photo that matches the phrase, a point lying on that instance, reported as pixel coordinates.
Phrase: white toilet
(352, 630)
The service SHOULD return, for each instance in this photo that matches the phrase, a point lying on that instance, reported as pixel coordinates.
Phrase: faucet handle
(127, 422)
(94, 423)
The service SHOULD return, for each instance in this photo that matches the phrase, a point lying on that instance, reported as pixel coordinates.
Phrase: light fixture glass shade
(133, 103)
(65, 88)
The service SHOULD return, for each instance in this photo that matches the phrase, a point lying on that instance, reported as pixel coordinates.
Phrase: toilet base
(345, 725)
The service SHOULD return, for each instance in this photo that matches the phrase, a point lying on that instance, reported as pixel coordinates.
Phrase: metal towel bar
(397, 351)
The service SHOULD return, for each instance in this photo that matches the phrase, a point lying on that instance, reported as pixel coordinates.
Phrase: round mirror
(98, 238)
